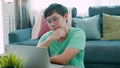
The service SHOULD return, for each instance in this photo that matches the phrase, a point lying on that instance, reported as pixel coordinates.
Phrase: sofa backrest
(112, 10)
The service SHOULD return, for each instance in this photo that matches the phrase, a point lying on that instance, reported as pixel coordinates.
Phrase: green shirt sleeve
(78, 40)
(44, 37)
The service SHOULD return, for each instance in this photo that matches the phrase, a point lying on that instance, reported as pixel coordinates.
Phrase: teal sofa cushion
(30, 42)
(90, 25)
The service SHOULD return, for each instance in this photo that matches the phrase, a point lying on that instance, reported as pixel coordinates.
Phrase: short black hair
(58, 8)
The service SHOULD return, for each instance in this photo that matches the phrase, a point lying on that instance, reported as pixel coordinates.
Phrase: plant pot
(9, 67)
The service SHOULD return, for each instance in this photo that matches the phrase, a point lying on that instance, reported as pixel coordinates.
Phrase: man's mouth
(55, 29)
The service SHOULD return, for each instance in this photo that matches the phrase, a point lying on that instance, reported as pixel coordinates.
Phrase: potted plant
(10, 60)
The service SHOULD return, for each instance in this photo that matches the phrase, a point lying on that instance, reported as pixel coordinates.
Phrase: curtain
(22, 14)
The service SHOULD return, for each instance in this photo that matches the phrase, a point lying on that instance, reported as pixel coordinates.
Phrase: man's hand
(57, 34)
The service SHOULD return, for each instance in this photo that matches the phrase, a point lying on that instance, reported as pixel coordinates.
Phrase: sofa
(99, 53)
(103, 53)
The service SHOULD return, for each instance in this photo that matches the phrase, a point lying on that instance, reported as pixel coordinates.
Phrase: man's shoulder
(76, 30)
(47, 33)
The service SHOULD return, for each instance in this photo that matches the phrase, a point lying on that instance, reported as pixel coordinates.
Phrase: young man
(66, 44)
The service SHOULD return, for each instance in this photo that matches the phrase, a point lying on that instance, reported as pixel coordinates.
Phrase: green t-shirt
(76, 39)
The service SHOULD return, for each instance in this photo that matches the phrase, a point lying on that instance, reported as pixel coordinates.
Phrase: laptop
(34, 57)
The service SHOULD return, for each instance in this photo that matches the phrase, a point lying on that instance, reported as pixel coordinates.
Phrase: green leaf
(11, 59)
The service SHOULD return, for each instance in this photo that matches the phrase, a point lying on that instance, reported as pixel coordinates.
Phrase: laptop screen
(34, 57)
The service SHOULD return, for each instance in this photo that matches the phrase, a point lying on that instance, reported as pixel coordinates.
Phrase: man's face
(56, 21)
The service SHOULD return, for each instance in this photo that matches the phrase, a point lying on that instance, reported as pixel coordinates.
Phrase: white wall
(1, 31)
(81, 5)
(8, 12)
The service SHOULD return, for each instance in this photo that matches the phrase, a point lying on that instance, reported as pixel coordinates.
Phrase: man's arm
(46, 43)
(57, 34)
(65, 57)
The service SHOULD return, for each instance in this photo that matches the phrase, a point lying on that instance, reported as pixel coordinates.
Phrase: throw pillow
(111, 27)
(90, 26)
(69, 16)
(37, 24)
(43, 28)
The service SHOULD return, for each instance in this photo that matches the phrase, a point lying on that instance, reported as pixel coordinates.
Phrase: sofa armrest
(19, 35)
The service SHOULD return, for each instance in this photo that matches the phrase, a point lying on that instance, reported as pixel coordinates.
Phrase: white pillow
(37, 24)
(69, 16)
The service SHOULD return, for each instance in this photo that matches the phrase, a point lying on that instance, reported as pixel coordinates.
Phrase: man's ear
(66, 16)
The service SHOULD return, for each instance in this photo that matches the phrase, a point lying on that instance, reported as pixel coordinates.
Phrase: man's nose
(52, 24)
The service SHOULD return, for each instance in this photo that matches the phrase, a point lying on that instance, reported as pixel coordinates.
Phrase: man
(66, 44)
